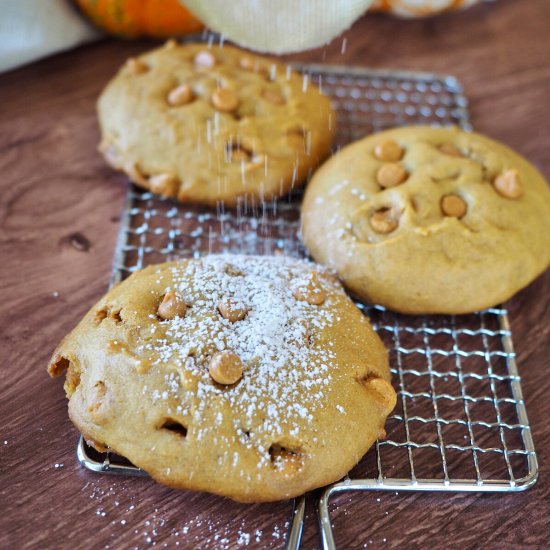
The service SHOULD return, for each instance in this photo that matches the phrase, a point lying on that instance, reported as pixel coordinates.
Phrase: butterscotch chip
(225, 368)
(383, 221)
(428, 265)
(388, 150)
(390, 175)
(231, 310)
(268, 401)
(310, 290)
(449, 149)
(454, 206)
(225, 100)
(171, 306)
(164, 184)
(273, 97)
(181, 95)
(178, 123)
(508, 184)
(136, 66)
(204, 59)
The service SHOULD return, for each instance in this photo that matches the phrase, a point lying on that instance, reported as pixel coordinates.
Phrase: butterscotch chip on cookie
(253, 377)
(429, 220)
(206, 124)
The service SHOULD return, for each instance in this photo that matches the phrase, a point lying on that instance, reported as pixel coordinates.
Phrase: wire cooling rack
(460, 423)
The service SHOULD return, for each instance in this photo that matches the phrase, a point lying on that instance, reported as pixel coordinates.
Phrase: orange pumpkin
(420, 8)
(136, 18)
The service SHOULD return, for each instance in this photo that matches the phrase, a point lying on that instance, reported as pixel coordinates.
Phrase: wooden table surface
(59, 215)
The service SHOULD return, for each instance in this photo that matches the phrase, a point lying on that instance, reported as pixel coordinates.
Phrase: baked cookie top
(429, 220)
(253, 377)
(208, 123)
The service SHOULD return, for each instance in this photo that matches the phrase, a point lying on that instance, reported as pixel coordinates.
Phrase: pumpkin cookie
(429, 220)
(253, 377)
(207, 124)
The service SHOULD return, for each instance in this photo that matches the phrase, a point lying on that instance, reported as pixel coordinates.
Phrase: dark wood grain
(59, 213)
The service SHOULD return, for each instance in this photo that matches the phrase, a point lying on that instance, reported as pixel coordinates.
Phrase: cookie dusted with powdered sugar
(208, 124)
(253, 377)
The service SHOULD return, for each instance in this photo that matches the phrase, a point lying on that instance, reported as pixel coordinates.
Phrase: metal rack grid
(460, 423)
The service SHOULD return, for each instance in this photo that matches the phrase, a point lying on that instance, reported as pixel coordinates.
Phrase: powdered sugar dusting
(282, 371)
(133, 522)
